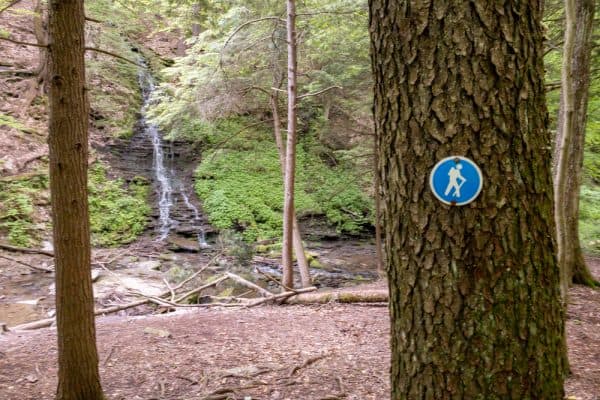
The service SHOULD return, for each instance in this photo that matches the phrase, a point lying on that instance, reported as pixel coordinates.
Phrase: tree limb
(34, 267)
(108, 53)
(25, 250)
(22, 43)
(319, 92)
(11, 4)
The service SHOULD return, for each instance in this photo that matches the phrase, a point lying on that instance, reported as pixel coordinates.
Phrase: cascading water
(168, 186)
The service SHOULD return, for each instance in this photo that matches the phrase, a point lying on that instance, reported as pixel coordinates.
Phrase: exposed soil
(285, 352)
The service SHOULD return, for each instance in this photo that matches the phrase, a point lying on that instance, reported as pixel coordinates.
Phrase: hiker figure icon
(453, 183)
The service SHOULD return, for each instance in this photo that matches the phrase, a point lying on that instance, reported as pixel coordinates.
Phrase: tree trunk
(78, 377)
(297, 237)
(377, 198)
(563, 145)
(474, 290)
(290, 158)
(571, 139)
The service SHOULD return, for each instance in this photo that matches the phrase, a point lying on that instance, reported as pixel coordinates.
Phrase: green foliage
(590, 192)
(242, 189)
(589, 214)
(17, 208)
(115, 97)
(118, 214)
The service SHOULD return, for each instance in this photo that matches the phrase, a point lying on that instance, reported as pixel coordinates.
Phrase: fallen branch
(199, 289)
(11, 4)
(244, 282)
(25, 250)
(306, 363)
(34, 267)
(345, 297)
(44, 323)
(284, 295)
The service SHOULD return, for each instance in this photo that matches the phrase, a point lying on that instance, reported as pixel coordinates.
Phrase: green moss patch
(118, 213)
(242, 188)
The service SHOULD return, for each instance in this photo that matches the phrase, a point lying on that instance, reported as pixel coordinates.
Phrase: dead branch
(306, 363)
(15, 249)
(109, 53)
(244, 282)
(11, 4)
(44, 323)
(34, 267)
(199, 289)
(284, 295)
(270, 278)
(319, 92)
(343, 297)
(21, 43)
(90, 19)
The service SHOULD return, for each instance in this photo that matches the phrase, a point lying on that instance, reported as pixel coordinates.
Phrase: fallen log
(45, 323)
(33, 267)
(342, 296)
(25, 250)
(244, 282)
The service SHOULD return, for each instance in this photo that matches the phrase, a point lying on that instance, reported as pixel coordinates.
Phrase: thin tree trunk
(78, 377)
(377, 198)
(571, 134)
(290, 159)
(297, 237)
(474, 290)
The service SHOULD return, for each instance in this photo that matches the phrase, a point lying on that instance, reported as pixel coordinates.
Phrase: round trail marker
(456, 181)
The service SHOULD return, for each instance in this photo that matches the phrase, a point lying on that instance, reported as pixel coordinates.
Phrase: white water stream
(167, 183)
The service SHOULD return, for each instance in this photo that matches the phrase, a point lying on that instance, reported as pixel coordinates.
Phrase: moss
(118, 212)
(17, 208)
(242, 188)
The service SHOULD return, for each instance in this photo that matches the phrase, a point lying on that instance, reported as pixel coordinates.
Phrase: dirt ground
(275, 352)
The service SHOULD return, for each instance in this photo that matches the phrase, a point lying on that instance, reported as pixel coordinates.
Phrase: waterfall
(168, 186)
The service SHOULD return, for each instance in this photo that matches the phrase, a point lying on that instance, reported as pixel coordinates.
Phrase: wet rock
(183, 245)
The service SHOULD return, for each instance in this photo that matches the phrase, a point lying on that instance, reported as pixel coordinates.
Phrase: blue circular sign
(456, 181)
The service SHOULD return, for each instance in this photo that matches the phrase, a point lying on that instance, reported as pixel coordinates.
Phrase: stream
(175, 245)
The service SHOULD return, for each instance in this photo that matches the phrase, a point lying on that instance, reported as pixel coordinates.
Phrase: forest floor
(273, 352)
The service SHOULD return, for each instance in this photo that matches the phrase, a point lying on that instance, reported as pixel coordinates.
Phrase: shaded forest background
(215, 63)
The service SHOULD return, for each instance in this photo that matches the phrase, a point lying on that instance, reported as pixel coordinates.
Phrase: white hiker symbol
(453, 182)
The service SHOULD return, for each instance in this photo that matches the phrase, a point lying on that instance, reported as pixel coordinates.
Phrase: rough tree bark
(78, 377)
(474, 290)
(570, 140)
(290, 158)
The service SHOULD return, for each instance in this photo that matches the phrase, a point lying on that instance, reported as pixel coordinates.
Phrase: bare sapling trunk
(297, 237)
(570, 140)
(78, 376)
(290, 158)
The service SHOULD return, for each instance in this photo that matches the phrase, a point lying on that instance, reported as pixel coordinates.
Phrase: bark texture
(570, 140)
(78, 377)
(474, 290)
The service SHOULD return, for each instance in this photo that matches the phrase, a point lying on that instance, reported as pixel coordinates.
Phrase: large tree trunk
(78, 377)
(570, 140)
(474, 290)
(290, 158)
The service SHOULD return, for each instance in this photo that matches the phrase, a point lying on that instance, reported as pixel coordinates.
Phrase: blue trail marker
(456, 181)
